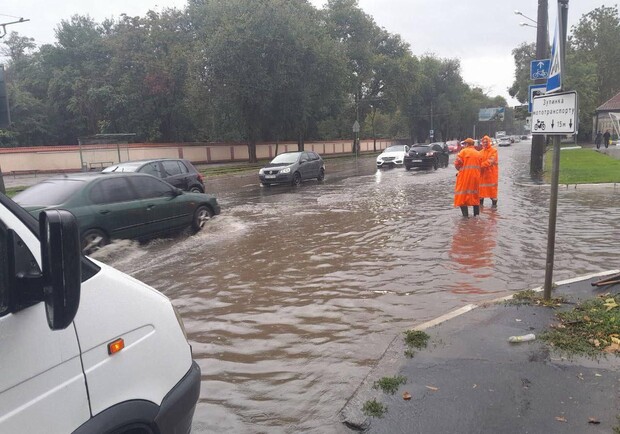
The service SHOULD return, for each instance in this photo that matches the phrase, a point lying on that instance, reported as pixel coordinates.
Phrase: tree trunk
(300, 142)
(252, 151)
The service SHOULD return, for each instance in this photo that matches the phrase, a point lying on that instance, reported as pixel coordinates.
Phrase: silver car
(293, 168)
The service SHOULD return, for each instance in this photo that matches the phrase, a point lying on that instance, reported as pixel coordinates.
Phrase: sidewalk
(469, 379)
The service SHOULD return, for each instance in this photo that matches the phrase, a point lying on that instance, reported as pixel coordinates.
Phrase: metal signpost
(356, 130)
(555, 114)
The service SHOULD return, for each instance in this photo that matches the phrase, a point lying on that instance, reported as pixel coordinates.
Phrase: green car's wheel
(93, 240)
(201, 216)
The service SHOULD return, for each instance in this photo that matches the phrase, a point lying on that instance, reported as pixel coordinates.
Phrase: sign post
(356, 130)
(555, 108)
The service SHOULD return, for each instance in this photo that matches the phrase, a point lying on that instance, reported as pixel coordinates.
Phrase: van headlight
(286, 170)
(261, 171)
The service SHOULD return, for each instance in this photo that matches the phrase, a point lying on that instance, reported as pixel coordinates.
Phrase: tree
(523, 55)
(268, 64)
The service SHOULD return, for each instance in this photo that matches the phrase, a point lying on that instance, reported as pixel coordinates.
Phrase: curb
(351, 414)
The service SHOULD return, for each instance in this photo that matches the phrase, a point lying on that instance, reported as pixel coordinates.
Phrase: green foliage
(389, 384)
(592, 328)
(584, 166)
(233, 70)
(416, 339)
(373, 408)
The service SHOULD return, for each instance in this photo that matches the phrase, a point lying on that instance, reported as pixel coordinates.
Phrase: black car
(293, 168)
(433, 155)
(177, 172)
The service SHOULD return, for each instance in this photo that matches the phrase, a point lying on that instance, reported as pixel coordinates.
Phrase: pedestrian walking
(489, 172)
(606, 138)
(598, 139)
(467, 189)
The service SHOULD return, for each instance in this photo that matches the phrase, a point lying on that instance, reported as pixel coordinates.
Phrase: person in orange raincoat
(489, 174)
(466, 191)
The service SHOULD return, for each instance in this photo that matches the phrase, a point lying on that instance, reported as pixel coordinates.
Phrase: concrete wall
(96, 157)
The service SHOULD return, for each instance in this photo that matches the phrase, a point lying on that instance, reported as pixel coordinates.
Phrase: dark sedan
(119, 205)
(293, 168)
(178, 172)
(429, 156)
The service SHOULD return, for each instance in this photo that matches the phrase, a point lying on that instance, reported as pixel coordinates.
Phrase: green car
(120, 205)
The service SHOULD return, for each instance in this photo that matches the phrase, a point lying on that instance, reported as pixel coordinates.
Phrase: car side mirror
(61, 262)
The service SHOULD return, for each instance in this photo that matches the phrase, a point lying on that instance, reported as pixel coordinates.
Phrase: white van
(84, 348)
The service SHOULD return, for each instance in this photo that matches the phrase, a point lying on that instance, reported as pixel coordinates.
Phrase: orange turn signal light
(115, 346)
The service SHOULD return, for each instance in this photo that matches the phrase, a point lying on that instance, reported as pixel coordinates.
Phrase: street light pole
(525, 16)
(538, 141)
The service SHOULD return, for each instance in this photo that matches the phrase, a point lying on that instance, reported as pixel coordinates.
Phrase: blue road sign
(539, 69)
(535, 90)
(554, 80)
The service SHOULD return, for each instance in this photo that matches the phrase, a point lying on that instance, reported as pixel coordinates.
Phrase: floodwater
(292, 295)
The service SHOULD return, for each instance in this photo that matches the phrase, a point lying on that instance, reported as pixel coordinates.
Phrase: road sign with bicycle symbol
(539, 69)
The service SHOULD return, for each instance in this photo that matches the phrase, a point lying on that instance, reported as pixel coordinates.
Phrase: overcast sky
(481, 33)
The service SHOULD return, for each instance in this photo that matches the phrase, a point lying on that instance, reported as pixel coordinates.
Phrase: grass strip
(583, 166)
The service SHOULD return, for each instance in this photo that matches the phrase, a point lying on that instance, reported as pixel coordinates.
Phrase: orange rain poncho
(489, 174)
(468, 162)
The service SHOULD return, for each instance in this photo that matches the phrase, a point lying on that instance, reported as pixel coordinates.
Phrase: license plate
(416, 161)
(270, 176)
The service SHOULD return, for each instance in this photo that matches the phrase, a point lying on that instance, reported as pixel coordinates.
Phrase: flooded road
(291, 295)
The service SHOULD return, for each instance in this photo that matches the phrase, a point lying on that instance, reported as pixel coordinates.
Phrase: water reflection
(471, 253)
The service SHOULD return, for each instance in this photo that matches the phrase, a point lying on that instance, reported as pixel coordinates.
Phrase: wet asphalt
(470, 379)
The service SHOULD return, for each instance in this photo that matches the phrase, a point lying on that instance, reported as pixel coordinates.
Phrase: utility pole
(538, 141)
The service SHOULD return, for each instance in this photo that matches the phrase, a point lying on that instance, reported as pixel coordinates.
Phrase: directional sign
(555, 114)
(534, 90)
(539, 69)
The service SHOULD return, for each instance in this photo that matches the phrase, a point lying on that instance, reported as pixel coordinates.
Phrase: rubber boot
(476, 210)
(482, 202)
(465, 211)
(494, 203)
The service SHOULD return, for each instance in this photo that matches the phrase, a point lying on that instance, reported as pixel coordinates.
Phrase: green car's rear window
(49, 193)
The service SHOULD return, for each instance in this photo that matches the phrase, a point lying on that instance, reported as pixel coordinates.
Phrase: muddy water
(292, 295)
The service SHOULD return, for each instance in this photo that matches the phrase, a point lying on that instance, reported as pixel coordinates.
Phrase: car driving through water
(392, 156)
(293, 168)
(427, 156)
(119, 205)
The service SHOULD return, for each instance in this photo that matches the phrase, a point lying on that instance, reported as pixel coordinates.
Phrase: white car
(392, 156)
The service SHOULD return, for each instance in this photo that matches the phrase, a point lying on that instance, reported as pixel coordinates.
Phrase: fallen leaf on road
(595, 342)
(518, 320)
(597, 375)
(434, 389)
(593, 421)
(586, 318)
(615, 340)
(406, 396)
(560, 419)
(613, 348)
(475, 385)
(580, 376)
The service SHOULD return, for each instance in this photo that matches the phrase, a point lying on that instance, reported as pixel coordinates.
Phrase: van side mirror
(61, 266)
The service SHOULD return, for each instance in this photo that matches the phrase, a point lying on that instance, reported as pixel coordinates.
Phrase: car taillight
(201, 178)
